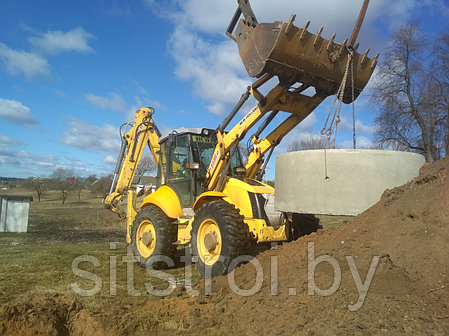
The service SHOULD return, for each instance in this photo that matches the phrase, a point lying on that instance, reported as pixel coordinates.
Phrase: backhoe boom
(136, 135)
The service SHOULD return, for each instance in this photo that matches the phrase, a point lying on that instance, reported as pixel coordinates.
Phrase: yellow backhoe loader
(206, 197)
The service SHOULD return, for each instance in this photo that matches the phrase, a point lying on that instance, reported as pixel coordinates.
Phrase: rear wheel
(218, 236)
(304, 224)
(153, 235)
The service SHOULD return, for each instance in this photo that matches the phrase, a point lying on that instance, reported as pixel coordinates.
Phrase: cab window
(179, 157)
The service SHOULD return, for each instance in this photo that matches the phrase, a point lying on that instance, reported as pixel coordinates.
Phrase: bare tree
(37, 184)
(308, 142)
(440, 69)
(101, 186)
(409, 114)
(61, 174)
(146, 165)
(59, 181)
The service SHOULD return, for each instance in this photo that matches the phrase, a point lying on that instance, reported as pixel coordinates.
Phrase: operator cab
(184, 158)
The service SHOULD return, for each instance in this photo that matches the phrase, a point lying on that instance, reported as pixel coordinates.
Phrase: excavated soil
(406, 233)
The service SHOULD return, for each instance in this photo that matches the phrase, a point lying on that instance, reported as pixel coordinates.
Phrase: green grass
(31, 269)
(86, 213)
(333, 221)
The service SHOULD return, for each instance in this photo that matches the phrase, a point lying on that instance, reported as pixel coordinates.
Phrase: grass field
(40, 262)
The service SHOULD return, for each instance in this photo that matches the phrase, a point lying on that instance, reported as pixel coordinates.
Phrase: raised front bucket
(295, 55)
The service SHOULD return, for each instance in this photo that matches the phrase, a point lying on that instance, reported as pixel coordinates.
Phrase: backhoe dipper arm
(278, 98)
(222, 156)
(141, 132)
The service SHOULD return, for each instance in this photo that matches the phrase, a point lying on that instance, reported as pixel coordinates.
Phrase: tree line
(65, 181)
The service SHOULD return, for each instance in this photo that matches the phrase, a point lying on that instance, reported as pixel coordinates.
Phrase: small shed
(14, 211)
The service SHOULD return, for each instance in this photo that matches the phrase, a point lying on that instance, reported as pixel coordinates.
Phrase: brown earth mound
(401, 244)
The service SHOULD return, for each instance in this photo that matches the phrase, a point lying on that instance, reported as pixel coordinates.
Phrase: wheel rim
(146, 238)
(209, 242)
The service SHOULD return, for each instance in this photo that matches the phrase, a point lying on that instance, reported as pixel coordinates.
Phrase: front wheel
(219, 235)
(153, 235)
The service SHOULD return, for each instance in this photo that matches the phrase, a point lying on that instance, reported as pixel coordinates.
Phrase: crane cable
(331, 130)
(330, 127)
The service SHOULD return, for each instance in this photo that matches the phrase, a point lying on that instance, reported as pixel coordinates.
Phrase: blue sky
(71, 72)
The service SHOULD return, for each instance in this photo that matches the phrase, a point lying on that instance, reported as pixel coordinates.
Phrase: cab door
(178, 175)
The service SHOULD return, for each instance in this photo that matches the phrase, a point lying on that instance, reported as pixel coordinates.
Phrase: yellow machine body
(205, 203)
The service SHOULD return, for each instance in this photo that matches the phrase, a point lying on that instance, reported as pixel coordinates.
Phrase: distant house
(72, 180)
(144, 184)
(4, 185)
(7, 183)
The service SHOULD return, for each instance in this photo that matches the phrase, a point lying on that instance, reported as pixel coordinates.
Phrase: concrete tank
(339, 181)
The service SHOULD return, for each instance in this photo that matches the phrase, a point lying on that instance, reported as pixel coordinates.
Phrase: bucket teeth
(296, 55)
(304, 30)
(374, 61)
(317, 36)
(365, 54)
(330, 42)
(356, 47)
(290, 24)
(343, 45)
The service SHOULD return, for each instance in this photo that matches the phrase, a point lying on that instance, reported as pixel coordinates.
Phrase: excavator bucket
(296, 55)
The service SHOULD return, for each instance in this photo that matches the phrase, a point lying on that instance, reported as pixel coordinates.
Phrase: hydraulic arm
(256, 164)
(135, 136)
(280, 98)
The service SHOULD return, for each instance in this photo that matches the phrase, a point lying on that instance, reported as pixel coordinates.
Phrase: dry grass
(40, 262)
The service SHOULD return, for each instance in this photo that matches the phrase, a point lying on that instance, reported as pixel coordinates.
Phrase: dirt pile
(56, 315)
(384, 272)
(407, 231)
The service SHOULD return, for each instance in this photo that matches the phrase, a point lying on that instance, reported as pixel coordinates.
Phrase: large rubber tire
(304, 224)
(219, 235)
(159, 244)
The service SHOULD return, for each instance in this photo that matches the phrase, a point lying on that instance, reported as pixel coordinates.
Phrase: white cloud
(22, 62)
(142, 99)
(46, 164)
(116, 102)
(33, 64)
(20, 160)
(304, 130)
(214, 69)
(109, 160)
(6, 141)
(112, 101)
(15, 112)
(55, 42)
(92, 138)
(360, 127)
(115, 8)
(207, 16)
(362, 142)
(7, 154)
